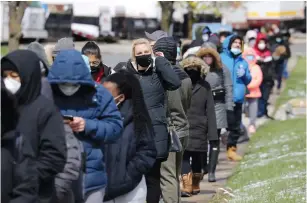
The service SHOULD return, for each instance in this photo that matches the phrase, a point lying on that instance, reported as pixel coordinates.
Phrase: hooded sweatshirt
(40, 51)
(39, 123)
(254, 86)
(176, 110)
(95, 105)
(234, 63)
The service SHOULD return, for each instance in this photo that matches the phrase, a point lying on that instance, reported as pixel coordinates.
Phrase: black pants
(234, 123)
(153, 183)
(265, 89)
(196, 163)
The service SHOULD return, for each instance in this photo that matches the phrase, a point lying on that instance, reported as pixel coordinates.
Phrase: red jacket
(261, 53)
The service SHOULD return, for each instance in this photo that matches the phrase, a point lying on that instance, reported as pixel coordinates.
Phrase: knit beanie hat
(63, 44)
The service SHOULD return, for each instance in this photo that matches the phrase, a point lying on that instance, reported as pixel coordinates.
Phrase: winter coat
(233, 64)
(95, 105)
(130, 157)
(155, 81)
(176, 111)
(12, 156)
(256, 73)
(219, 77)
(201, 114)
(40, 124)
(265, 61)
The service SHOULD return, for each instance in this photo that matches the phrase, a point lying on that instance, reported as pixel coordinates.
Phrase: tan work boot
(232, 155)
(196, 182)
(186, 185)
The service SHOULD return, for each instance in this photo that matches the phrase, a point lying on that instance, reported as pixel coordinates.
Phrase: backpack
(73, 166)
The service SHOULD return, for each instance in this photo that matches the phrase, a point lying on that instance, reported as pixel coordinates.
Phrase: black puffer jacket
(14, 158)
(155, 81)
(40, 124)
(131, 157)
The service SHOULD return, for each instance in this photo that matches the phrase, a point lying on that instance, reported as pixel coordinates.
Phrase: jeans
(252, 107)
(234, 125)
(137, 195)
(170, 173)
(285, 73)
(153, 183)
(95, 196)
(265, 89)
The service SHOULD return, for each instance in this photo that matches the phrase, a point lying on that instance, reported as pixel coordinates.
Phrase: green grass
(4, 50)
(295, 85)
(274, 167)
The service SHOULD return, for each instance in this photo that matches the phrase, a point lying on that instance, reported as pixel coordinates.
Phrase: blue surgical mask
(235, 51)
(178, 50)
(278, 40)
(250, 57)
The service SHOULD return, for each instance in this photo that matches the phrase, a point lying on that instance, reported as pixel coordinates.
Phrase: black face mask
(144, 60)
(94, 69)
(194, 75)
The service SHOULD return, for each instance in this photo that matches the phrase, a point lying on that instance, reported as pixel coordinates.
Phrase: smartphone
(68, 117)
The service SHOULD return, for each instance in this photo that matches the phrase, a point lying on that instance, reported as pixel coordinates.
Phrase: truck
(32, 24)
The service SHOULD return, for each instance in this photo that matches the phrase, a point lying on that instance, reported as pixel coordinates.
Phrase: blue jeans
(285, 73)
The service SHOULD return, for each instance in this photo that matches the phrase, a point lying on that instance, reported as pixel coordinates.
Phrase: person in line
(13, 157)
(89, 109)
(285, 38)
(156, 76)
(250, 40)
(62, 44)
(265, 61)
(178, 103)
(134, 154)
(223, 35)
(221, 85)
(280, 53)
(253, 87)
(39, 121)
(99, 70)
(44, 64)
(240, 76)
(206, 32)
(201, 116)
(155, 36)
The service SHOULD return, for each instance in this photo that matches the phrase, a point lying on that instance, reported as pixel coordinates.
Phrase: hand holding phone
(68, 117)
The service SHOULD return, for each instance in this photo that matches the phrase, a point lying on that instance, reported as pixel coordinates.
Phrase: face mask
(69, 89)
(250, 57)
(94, 69)
(144, 60)
(205, 37)
(278, 40)
(12, 85)
(276, 58)
(235, 51)
(261, 46)
(194, 75)
(252, 43)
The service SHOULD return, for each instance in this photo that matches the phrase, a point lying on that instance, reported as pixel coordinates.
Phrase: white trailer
(33, 23)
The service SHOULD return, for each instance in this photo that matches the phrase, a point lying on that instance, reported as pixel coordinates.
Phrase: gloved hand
(240, 72)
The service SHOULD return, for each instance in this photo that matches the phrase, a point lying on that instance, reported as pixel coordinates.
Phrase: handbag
(174, 141)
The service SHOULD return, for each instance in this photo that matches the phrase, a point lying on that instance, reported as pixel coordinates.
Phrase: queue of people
(75, 130)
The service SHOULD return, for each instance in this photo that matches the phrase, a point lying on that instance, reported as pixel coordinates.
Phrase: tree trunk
(16, 12)
(167, 14)
(190, 24)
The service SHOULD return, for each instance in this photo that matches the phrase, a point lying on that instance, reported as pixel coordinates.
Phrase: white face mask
(118, 103)
(205, 37)
(12, 85)
(261, 46)
(69, 89)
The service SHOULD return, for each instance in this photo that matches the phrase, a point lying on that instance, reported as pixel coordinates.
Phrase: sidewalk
(225, 168)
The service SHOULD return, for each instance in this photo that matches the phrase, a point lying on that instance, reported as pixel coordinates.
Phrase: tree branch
(21, 10)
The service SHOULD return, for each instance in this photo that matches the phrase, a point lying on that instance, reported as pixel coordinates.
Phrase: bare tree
(16, 12)
(167, 14)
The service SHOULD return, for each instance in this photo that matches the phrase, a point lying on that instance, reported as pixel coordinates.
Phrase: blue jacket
(233, 64)
(92, 102)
